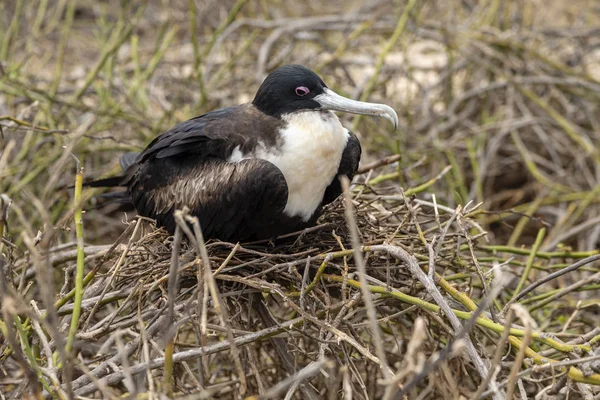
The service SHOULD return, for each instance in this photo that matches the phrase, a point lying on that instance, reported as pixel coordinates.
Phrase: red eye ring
(302, 91)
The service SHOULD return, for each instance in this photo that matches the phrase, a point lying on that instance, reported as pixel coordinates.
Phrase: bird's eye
(302, 91)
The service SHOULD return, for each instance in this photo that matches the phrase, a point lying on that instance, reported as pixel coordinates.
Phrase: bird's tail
(113, 181)
(122, 197)
(126, 161)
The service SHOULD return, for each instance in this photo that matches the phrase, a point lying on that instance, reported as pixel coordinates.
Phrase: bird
(254, 171)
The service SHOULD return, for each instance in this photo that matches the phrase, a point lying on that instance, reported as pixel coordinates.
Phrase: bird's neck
(310, 154)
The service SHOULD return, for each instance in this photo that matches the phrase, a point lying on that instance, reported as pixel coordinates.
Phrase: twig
(525, 275)
(455, 344)
(555, 275)
(214, 292)
(173, 286)
(379, 163)
(360, 265)
(527, 321)
(8, 313)
(495, 364)
(115, 377)
(568, 289)
(307, 372)
(414, 268)
(280, 345)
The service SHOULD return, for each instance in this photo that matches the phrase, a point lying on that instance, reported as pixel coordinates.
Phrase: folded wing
(187, 167)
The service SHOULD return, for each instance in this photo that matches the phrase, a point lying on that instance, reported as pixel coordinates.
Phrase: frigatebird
(252, 171)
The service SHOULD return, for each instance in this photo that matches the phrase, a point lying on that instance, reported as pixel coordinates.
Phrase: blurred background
(499, 107)
(500, 97)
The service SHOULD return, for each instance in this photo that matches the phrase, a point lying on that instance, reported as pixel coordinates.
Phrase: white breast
(309, 158)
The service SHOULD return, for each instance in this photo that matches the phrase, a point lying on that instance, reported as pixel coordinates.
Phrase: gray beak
(330, 100)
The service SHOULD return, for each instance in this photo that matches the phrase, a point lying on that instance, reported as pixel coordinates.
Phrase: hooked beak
(330, 100)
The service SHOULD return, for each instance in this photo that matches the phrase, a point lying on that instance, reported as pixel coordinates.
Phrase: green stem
(536, 246)
(465, 315)
(540, 254)
(80, 260)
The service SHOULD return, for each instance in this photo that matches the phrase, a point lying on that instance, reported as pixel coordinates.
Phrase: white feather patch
(309, 158)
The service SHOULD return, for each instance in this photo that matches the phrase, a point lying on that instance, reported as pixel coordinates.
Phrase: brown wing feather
(186, 166)
(233, 201)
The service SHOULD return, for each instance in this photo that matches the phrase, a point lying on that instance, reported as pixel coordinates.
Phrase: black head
(293, 88)
(287, 89)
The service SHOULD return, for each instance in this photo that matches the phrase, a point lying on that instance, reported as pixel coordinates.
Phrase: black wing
(348, 166)
(216, 134)
(187, 166)
(233, 201)
(128, 159)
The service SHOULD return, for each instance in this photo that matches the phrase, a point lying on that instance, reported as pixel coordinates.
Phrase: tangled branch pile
(299, 306)
(478, 279)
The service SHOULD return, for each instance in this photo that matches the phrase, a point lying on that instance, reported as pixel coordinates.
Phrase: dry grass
(487, 219)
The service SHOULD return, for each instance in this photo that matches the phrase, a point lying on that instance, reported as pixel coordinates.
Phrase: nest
(384, 297)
